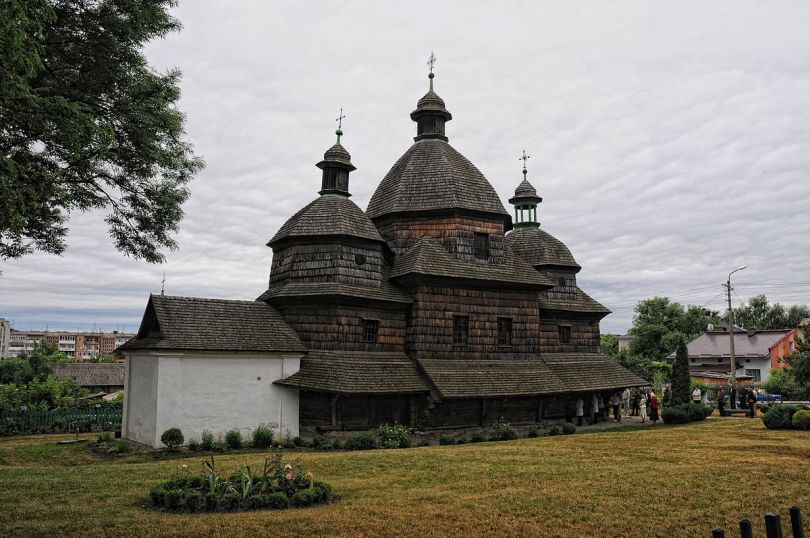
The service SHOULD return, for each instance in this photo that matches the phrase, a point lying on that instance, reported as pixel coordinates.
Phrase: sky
(670, 142)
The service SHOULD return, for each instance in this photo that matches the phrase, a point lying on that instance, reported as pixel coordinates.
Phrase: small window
(371, 327)
(756, 374)
(481, 246)
(565, 334)
(329, 179)
(561, 282)
(461, 330)
(504, 331)
(359, 259)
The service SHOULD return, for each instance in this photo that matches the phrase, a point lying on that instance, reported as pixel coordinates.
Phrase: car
(763, 396)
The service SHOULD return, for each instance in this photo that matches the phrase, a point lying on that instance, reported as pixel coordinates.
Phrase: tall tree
(85, 123)
(659, 324)
(759, 314)
(680, 374)
(609, 345)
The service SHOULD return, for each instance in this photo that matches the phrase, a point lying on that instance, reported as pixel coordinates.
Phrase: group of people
(641, 402)
(746, 396)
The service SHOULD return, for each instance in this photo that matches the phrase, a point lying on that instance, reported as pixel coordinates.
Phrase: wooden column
(334, 410)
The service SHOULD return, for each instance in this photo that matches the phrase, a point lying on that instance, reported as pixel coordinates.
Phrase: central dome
(431, 176)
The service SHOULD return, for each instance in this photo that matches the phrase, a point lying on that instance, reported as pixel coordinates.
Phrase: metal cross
(524, 158)
(431, 61)
(339, 119)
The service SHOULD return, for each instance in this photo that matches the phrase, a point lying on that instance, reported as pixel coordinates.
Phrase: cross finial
(431, 62)
(163, 283)
(524, 158)
(339, 119)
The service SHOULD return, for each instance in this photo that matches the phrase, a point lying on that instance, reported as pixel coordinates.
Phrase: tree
(85, 124)
(659, 324)
(609, 345)
(758, 314)
(680, 374)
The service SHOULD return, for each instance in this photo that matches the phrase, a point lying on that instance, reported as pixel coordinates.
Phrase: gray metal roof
(716, 344)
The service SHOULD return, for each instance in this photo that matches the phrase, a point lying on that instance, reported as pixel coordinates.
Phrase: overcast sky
(670, 142)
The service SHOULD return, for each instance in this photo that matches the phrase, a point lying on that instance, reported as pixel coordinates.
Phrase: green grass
(659, 481)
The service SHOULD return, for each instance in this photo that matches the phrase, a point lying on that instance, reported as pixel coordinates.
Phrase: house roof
(590, 371)
(355, 372)
(540, 248)
(490, 378)
(91, 374)
(192, 323)
(428, 257)
(581, 302)
(431, 176)
(746, 345)
(328, 215)
(387, 291)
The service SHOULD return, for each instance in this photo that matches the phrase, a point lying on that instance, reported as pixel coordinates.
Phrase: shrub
(364, 441)
(801, 420)
(568, 428)
(192, 501)
(447, 439)
(779, 417)
(337, 444)
(121, 447)
(172, 438)
(555, 430)
(276, 500)
(423, 442)
(534, 432)
(321, 443)
(207, 441)
(230, 501)
(211, 501)
(298, 441)
(396, 436)
(683, 413)
(674, 415)
(503, 431)
(193, 445)
(305, 497)
(233, 438)
(324, 489)
(262, 437)
(287, 443)
(158, 495)
(174, 498)
(257, 501)
(478, 437)
(462, 440)
(105, 437)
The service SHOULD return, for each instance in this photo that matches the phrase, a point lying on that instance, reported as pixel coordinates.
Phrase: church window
(565, 334)
(371, 327)
(359, 259)
(481, 246)
(504, 331)
(461, 330)
(329, 179)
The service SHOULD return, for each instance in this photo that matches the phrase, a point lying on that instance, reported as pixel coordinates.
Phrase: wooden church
(435, 308)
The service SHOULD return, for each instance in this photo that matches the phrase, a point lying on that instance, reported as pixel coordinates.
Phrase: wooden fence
(773, 526)
(67, 420)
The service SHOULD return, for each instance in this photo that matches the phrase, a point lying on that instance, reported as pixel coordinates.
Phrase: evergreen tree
(680, 374)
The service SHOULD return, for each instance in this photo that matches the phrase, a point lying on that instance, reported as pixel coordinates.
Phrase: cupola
(336, 165)
(525, 201)
(430, 114)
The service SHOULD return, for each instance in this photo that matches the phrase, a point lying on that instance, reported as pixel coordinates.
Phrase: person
(626, 401)
(580, 412)
(653, 399)
(636, 400)
(602, 415)
(721, 401)
(647, 392)
(642, 406)
(594, 409)
(615, 402)
(752, 403)
(696, 395)
(733, 397)
(744, 398)
(667, 397)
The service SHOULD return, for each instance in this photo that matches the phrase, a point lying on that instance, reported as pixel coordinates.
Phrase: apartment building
(81, 346)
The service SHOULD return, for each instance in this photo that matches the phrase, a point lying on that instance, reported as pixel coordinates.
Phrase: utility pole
(731, 327)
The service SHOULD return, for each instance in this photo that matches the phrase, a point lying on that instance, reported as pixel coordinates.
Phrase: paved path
(610, 423)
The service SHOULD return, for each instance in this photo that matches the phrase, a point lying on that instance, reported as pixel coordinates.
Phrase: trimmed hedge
(801, 420)
(780, 417)
(683, 413)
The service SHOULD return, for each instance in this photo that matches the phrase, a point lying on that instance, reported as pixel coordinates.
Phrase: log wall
(328, 262)
(334, 327)
(354, 412)
(584, 335)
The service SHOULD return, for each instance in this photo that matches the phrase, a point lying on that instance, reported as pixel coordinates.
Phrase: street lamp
(731, 327)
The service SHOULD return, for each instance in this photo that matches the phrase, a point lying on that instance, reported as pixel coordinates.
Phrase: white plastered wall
(214, 391)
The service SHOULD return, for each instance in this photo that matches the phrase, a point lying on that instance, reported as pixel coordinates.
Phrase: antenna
(163, 283)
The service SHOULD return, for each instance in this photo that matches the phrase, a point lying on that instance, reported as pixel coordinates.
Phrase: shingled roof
(355, 372)
(428, 257)
(431, 176)
(540, 248)
(328, 215)
(191, 323)
(581, 302)
(590, 371)
(491, 379)
(386, 292)
(88, 374)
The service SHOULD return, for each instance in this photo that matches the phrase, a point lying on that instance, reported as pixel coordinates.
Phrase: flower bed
(277, 486)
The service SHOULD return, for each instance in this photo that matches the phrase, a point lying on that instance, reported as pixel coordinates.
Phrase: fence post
(746, 531)
(796, 522)
(773, 525)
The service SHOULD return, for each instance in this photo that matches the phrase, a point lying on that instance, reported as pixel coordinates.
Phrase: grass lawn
(661, 481)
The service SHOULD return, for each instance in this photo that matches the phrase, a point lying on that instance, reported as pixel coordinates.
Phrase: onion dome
(336, 165)
(431, 175)
(540, 248)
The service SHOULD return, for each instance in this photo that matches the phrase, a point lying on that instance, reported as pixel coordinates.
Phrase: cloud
(670, 141)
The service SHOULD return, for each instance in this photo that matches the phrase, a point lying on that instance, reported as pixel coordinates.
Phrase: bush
(503, 431)
(423, 443)
(364, 441)
(193, 445)
(121, 447)
(207, 441)
(555, 430)
(192, 502)
(683, 413)
(211, 502)
(262, 437)
(158, 495)
(172, 438)
(801, 420)
(780, 417)
(230, 501)
(534, 432)
(305, 497)
(233, 438)
(568, 428)
(462, 440)
(321, 443)
(298, 441)
(478, 437)
(174, 498)
(337, 444)
(396, 436)
(287, 442)
(323, 489)
(447, 439)
(674, 415)
(276, 500)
